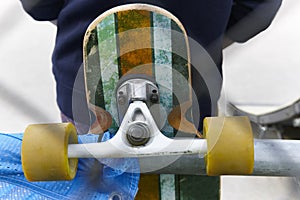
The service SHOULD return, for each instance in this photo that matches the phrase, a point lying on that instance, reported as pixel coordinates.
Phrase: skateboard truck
(135, 88)
(140, 137)
(132, 89)
(227, 149)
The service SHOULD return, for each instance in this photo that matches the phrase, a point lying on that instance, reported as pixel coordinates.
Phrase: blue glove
(93, 180)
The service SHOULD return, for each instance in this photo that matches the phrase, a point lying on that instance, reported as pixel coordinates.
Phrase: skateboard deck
(134, 40)
(138, 39)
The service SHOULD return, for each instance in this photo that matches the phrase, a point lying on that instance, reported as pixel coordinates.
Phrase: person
(212, 24)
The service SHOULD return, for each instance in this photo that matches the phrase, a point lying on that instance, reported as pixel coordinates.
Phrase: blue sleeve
(250, 17)
(43, 10)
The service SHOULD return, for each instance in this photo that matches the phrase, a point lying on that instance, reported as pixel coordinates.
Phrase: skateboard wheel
(230, 146)
(45, 152)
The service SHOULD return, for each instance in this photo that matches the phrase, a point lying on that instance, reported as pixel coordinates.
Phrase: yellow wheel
(230, 146)
(45, 152)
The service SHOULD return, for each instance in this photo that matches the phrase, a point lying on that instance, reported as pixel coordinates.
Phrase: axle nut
(138, 134)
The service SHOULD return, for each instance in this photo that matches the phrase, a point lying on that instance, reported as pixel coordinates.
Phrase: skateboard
(138, 84)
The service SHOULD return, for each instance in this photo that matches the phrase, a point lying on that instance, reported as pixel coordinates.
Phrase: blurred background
(27, 88)
(263, 74)
(260, 76)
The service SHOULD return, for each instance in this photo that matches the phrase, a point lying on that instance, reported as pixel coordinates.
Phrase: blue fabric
(93, 180)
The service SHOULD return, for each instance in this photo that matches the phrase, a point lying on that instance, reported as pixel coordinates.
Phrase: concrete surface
(261, 74)
(259, 188)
